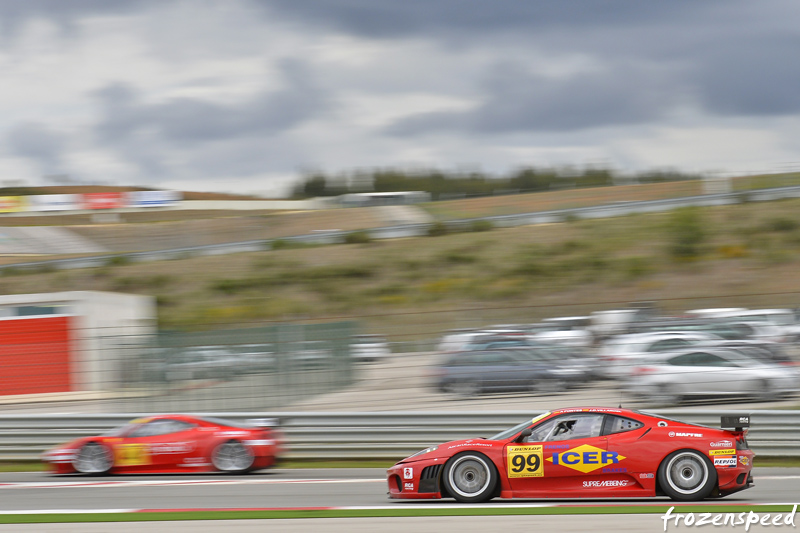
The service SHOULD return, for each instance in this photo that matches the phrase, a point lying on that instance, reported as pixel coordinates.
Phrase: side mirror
(525, 434)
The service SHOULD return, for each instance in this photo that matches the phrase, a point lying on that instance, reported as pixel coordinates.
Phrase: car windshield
(125, 428)
(508, 433)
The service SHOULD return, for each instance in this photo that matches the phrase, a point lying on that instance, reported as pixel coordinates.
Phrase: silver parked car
(617, 354)
(709, 373)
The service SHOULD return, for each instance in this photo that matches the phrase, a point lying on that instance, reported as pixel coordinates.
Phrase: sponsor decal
(525, 461)
(685, 434)
(725, 461)
(408, 473)
(744, 460)
(721, 444)
(647, 475)
(586, 458)
(615, 470)
(556, 446)
(131, 455)
(408, 486)
(728, 451)
(469, 444)
(171, 447)
(606, 483)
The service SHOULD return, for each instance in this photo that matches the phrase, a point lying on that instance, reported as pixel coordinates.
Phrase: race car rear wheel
(93, 458)
(687, 475)
(232, 456)
(470, 477)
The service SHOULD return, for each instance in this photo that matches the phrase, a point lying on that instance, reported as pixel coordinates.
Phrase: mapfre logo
(586, 458)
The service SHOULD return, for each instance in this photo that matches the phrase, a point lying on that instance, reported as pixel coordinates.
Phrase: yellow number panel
(525, 461)
(131, 455)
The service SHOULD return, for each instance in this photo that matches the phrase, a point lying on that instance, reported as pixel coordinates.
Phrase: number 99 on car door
(525, 461)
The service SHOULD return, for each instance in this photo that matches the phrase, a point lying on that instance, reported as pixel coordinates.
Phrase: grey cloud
(38, 143)
(189, 120)
(515, 100)
(64, 13)
(382, 19)
(753, 76)
(129, 125)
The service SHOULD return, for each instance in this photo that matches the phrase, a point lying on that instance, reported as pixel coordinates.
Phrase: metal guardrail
(375, 435)
(419, 230)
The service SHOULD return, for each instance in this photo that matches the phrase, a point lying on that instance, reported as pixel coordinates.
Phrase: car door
(155, 445)
(563, 454)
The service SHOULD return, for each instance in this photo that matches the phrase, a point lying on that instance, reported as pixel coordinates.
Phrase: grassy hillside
(743, 255)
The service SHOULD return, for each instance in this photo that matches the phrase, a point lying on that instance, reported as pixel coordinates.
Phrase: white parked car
(368, 348)
(568, 330)
(669, 378)
(617, 354)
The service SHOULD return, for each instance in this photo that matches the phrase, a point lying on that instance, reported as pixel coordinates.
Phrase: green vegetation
(457, 184)
(358, 237)
(413, 289)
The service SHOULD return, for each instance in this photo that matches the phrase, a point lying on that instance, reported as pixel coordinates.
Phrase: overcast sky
(247, 95)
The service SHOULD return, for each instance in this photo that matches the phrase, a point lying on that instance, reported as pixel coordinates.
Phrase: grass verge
(381, 513)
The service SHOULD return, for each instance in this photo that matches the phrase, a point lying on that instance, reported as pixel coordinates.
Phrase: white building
(67, 342)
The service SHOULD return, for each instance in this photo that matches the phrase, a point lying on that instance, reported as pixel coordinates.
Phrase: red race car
(584, 453)
(169, 444)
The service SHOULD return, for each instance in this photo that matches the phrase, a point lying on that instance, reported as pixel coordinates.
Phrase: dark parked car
(474, 372)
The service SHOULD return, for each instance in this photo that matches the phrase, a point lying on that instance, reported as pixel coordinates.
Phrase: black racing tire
(470, 477)
(687, 475)
(232, 457)
(93, 458)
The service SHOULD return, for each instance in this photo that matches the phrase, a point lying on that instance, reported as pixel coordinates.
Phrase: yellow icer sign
(525, 461)
(131, 455)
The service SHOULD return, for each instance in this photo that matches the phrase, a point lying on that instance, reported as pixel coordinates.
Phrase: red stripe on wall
(35, 355)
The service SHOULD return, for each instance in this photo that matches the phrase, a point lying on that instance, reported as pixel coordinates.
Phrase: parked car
(172, 444)
(592, 452)
(368, 348)
(582, 366)
(201, 362)
(462, 339)
(569, 331)
(770, 352)
(475, 372)
(709, 372)
(618, 353)
(255, 358)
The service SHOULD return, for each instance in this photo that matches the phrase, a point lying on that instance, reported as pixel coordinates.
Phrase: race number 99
(525, 461)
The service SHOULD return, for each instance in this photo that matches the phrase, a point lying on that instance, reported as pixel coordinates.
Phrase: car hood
(448, 449)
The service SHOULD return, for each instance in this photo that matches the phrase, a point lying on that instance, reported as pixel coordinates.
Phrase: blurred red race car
(169, 444)
(584, 453)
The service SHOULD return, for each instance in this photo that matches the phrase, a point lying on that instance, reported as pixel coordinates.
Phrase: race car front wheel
(470, 477)
(232, 456)
(687, 475)
(93, 458)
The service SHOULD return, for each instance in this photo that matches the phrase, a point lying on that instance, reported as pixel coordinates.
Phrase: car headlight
(426, 450)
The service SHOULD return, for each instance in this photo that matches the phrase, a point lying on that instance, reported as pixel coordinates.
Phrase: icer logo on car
(586, 458)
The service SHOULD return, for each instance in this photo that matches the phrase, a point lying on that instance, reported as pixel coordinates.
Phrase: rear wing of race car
(735, 422)
(264, 423)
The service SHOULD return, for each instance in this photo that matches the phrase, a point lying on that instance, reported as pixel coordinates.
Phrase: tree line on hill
(443, 185)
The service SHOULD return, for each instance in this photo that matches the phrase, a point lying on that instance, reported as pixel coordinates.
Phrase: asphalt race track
(308, 488)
